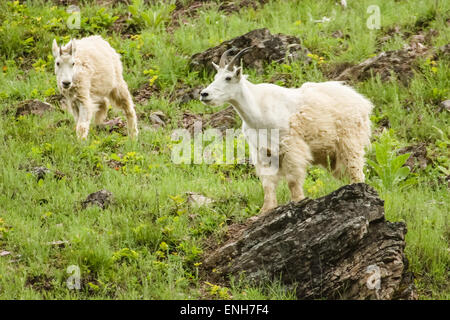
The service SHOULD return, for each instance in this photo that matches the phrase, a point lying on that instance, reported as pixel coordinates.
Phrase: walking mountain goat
(89, 75)
(319, 123)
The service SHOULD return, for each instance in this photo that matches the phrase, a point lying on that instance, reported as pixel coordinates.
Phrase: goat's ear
(238, 72)
(55, 49)
(69, 48)
(215, 66)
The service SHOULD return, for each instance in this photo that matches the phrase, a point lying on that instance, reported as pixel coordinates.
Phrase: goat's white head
(226, 82)
(64, 64)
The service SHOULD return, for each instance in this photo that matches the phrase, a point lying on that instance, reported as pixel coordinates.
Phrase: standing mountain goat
(319, 123)
(89, 74)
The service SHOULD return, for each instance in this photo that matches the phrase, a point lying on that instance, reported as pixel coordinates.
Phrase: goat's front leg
(72, 108)
(269, 181)
(270, 196)
(86, 112)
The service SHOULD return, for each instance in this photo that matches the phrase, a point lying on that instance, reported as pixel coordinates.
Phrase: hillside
(146, 240)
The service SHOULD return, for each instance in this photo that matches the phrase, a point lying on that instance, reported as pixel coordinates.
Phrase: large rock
(266, 48)
(401, 63)
(336, 247)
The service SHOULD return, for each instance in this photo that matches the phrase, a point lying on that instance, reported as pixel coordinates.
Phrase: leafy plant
(390, 169)
(154, 17)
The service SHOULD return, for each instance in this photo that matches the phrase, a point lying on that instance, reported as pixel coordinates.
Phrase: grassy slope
(149, 215)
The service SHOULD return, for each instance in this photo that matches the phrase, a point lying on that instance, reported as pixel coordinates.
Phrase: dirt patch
(41, 172)
(144, 93)
(265, 48)
(424, 37)
(418, 158)
(185, 94)
(191, 10)
(221, 120)
(182, 12)
(331, 71)
(101, 198)
(124, 26)
(236, 6)
(188, 120)
(99, 2)
(116, 164)
(115, 125)
(40, 282)
(56, 99)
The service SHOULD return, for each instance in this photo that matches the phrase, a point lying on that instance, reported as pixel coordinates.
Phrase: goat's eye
(228, 78)
(57, 64)
(73, 63)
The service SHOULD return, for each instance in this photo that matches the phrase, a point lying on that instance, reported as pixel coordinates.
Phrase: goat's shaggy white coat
(319, 123)
(89, 75)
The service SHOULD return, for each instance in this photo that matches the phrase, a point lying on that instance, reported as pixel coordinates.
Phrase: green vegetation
(148, 242)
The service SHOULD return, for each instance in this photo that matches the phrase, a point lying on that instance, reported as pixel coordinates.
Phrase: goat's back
(331, 113)
(99, 60)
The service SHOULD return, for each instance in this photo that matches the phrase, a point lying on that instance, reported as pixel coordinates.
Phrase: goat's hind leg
(294, 164)
(121, 98)
(350, 162)
(102, 112)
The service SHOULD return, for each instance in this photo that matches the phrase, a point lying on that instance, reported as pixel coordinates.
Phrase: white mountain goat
(319, 123)
(89, 75)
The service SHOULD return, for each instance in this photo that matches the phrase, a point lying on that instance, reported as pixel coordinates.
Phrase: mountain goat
(89, 74)
(319, 123)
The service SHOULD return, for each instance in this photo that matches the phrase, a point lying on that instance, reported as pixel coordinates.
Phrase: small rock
(116, 124)
(337, 34)
(4, 253)
(418, 155)
(198, 199)
(100, 198)
(58, 243)
(444, 105)
(35, 107)
(39, 172)
(158, 119)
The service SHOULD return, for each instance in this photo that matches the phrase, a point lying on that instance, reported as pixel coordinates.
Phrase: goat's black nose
(204, 94)
(66, 83)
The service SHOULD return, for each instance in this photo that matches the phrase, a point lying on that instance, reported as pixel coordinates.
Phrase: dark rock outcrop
(336, 247)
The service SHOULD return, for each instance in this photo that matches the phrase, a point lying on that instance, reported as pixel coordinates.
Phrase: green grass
(148, 242)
